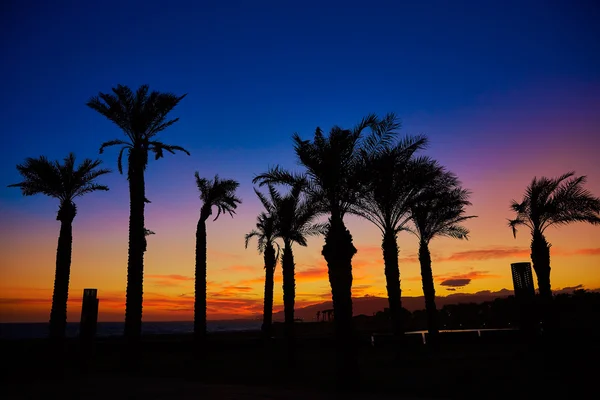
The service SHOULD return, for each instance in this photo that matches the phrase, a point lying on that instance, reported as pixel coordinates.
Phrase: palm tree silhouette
(332, 168)
(265, 235)
(64, 182)
(439, 211)
(294, 215)
(141, 116)
(213, 193)
(552, 202)
(389, 193)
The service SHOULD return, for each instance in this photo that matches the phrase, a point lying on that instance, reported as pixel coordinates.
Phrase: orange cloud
(313, 274)
(493, 253)
(172, 280)
(584, 252)
(243, 268)
(487, 254)
(468, 276)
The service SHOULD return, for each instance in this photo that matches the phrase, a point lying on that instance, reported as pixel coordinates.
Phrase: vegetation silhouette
(218, 193)
(265, 236)
(364, 171)
(141, 116)
(390, 189)
(552, 202)
(293, 222)
(332, 165)
(438, 211)
(65, 182)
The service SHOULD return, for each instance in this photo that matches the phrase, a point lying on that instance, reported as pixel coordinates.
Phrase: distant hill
(369, 305)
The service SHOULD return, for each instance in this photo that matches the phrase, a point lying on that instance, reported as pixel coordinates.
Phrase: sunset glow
(495, 136)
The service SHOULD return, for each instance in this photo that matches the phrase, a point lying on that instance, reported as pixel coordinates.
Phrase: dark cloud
(451, 289)
(461, 282)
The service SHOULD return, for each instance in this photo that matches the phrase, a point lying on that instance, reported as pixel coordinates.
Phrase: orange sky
(235, 274)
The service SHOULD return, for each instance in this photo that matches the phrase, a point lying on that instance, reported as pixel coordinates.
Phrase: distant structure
(89, 314)
(522, 280)
(525, 296)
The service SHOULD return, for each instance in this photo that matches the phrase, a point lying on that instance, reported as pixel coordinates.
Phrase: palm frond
(277, 175)
(158, 148)
(60, 180)
(218, 193)
(556, 201)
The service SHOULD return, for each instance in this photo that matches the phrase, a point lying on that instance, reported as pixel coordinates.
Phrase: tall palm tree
(395, 181)
(332, 167)
(64, 182)
(141, 116)
(220, 194)
(265, 235)
(552, 202)
(439, 211)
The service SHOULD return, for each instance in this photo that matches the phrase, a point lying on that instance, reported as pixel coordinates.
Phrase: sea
(105, 329)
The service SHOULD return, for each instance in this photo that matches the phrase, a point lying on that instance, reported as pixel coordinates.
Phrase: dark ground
(242, 366)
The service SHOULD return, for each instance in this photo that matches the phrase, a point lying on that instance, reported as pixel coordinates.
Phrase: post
(525, 296)
(89, 314)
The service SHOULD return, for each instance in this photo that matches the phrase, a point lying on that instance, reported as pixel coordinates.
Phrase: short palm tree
(393, 185)
(333, 170)
(552, 202)
(294, 215)
(64, 182)
(265, 235)
(439, 211)
(220, 194)
(141, 116)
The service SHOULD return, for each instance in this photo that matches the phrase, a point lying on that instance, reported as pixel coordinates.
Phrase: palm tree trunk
(289, 296)
(58, 313)
(137, 244)
(135, 264)
(338, 252)
(392, 278)
(200, 282)
(428, 291)
(540, 257)
(270, 262)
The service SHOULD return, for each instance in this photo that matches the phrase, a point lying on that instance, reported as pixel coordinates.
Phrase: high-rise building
(522, 280)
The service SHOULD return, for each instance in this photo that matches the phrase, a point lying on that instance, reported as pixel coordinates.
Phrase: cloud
(450, 289)
(583, 252)
(508, 252)
(173, 277)
(409, 259)
(469, 275)
(244, 268)
(313, 274)
(172, 280)
(487, 254)
(457, 283)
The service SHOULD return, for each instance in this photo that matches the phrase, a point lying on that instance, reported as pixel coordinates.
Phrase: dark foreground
(242, 366)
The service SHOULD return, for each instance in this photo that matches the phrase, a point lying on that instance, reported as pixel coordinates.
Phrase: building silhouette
(522, 280)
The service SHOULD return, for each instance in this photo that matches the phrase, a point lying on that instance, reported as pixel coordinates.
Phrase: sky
(505, 91)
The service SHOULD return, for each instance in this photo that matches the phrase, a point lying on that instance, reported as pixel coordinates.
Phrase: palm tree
(439, 211)
(213, 193)
(294, 215)
(332, 167)
(265, 235)
(141, 116)
(64, 182)
(395, 181)
(552, 202)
